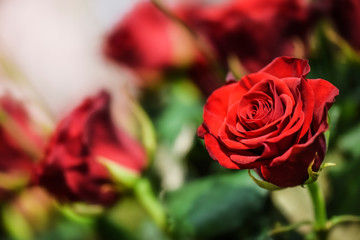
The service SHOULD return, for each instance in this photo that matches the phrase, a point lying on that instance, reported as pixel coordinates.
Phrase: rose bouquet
(214, 128)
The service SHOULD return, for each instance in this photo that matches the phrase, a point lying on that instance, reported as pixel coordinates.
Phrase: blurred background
(57, 43)
(167, 59)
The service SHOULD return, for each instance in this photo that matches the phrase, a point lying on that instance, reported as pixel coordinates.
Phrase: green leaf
(184, 107)
(214, 205)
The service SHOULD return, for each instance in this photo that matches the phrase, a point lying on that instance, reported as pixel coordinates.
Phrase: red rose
(148, 42)
(152, 45)
(70, 169)
(19, 145)
(272, 121)
(346, 16)
(255, 31)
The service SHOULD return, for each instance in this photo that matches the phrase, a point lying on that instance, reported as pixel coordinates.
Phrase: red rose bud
(72, 170)
(20, 146)
(255, 31)
(272, 121)
(346, 16)
(148, 42)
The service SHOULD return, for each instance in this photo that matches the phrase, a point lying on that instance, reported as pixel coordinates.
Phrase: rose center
(254, 112)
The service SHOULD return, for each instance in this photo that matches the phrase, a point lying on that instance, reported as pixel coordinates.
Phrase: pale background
(57, 46)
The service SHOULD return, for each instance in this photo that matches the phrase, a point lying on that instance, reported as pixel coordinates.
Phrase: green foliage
(214, 205)
(182, 106)
(349, 142)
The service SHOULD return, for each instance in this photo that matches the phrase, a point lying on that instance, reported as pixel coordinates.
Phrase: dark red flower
(20, 144)
(148, 42)
(154, 46)
(272, 121)
(255, 31)
(346, 16)
(70, 169)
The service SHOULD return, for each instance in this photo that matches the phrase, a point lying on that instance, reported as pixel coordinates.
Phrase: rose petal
(218, 153)
(283, 67)
(278, 133)
(246, 162)
(291, 127)
(299, 147)
(90, 189)
(293, 172)
(216, 108)
(201, 131)
(303, 88)
(324, 98)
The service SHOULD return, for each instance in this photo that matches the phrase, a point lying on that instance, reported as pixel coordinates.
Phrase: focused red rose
(346, 16)
(255, 31)
(20, 144)
(272, 121)
(70, 169)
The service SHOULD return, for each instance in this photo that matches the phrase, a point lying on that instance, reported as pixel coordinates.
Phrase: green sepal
(313, 176)
(264, 184)
(122, 176)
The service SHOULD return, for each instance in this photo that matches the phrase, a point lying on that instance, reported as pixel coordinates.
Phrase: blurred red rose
(272, 121)
(346, 16)
(19, 145)
(255, 31)
(148, 42)
(70, 170)
(153, 46)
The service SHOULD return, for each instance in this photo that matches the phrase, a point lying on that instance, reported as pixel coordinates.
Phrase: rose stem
(319, 207)
(150, 203)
